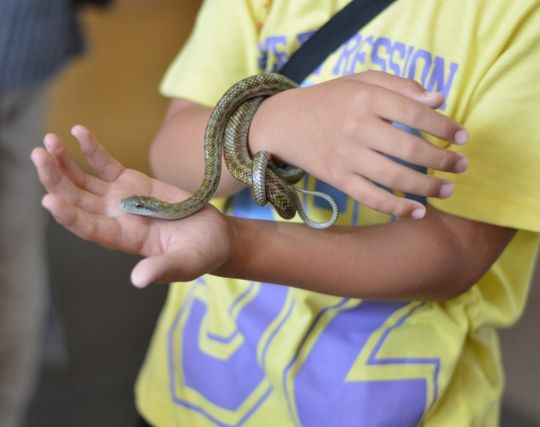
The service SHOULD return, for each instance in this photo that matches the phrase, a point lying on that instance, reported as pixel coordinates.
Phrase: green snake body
(226, 134)
(265, 185)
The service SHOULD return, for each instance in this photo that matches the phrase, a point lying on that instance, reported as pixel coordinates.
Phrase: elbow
(442, 292)
(460, 279)
(451, 291)
(469, 249)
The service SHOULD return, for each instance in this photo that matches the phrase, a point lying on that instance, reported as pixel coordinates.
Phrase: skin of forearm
(176, 155)
(436, 258)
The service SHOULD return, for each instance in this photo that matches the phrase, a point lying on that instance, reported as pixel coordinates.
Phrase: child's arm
(337, 131)
(435, 258)
(176, 156)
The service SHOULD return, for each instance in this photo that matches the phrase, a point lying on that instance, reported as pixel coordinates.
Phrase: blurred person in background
(37, 39)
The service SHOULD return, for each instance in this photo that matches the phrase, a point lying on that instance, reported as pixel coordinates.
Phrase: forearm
(404, 260)
(176, 155)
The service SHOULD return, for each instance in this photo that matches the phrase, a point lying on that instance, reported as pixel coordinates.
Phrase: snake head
(143, 205)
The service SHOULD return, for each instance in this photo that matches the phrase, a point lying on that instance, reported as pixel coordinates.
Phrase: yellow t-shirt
(229, 352)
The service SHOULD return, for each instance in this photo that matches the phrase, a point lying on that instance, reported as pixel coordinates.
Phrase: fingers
(406, 87)
(395, 142)
(391, 174)
(381, 200)
(56, 147)
(420, 117)
(406, 101)
(56, 182)
(82, 223)
(99, 159)
(396, 108)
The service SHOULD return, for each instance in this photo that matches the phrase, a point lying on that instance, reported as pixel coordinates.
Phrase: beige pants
(23, 275)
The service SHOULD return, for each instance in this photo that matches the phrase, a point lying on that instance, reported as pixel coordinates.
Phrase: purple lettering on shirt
(226, 383)
(303, 37)
(377, 59)
(349, 56)
(408, 56)
(433, 72)
(420, 64)
(438, 80)
(322, 394)
(398, 50)
(272, 55)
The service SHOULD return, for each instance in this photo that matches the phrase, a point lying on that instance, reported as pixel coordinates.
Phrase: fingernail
(418, 213)
(76, 128)
(461, 165)
(461, 137)
(46, 142)
(446, 190)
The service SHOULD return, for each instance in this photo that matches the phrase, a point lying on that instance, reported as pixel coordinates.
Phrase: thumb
(154, 269)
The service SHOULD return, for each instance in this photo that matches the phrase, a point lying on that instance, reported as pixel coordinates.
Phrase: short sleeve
(502, 184)
(221, 50)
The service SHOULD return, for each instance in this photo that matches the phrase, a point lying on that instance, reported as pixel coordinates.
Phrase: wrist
(246, 258)
(266, 130)
(237, 249)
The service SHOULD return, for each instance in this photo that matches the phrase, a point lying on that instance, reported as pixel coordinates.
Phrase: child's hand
(340, 131)
(89, 207)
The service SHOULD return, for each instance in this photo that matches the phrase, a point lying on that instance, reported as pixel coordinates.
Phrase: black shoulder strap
(340, 28)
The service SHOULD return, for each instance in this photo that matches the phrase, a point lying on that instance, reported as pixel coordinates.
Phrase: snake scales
(226, 134)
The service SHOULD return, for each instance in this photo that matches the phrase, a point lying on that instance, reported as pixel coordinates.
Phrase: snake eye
(138, 205)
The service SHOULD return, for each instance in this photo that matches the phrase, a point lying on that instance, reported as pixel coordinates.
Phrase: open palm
(88, 206)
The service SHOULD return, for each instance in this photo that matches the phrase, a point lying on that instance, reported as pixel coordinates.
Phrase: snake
(226, 135)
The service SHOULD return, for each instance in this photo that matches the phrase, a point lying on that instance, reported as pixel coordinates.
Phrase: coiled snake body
(226, 133)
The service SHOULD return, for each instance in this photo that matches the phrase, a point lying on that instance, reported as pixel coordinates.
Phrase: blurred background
(106, 323)
(88, 377)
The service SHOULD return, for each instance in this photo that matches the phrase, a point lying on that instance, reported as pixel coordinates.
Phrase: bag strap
(340, 28)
